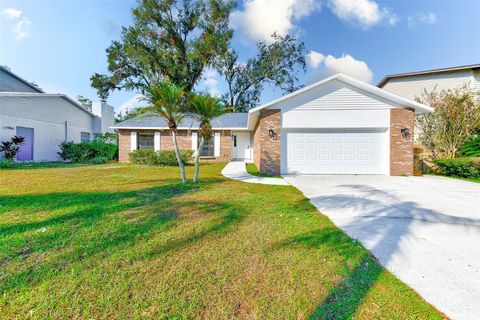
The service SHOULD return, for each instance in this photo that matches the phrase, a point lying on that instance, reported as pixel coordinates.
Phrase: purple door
(26, 149)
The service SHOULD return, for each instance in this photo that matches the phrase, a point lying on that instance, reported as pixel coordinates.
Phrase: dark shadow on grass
(85, 232)
(221, 223)
(347, 295)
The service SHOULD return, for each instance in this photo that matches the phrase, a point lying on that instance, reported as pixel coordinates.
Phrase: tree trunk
(177, 154)
(197, 160)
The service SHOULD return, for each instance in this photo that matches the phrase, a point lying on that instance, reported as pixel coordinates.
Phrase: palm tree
(167, 101)
(205, 109)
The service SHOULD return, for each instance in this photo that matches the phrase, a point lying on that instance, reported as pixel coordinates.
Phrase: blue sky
(59, 44)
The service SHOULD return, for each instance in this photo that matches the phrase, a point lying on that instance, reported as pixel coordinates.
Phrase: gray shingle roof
(229, 120)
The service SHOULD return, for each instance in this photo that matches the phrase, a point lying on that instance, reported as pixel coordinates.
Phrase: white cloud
(210, 82)
(364, 13)
(314, 59)
(423, 18)
(11, 13)
(330, 65)
(259, 19)
(20, 28)
(132, 103)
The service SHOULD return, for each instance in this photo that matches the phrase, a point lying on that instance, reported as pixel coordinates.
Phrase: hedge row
(459, 167)
(162, 158)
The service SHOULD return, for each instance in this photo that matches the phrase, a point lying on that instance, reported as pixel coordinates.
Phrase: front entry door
(241, 145)
(26, 149)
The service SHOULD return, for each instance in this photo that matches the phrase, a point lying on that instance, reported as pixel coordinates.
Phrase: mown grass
(121, 242)
(253, 170)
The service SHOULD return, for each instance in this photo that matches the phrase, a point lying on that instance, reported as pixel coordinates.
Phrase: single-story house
(339, 125)
(45, 120)
(411, 85)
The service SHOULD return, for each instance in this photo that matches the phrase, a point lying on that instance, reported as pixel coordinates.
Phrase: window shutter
(194, 141)
(133, 141)
(156, 141)
(217, 144)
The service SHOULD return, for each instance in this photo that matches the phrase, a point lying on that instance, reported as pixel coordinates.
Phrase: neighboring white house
(412, 84)
(46, 120)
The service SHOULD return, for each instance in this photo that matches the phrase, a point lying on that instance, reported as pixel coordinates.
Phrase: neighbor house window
(84, 136)
(208, 149)
(145, 140)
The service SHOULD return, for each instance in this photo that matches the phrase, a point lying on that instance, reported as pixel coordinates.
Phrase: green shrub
(86, 151)
(7, 164)
(168, 158)
(458, 167)
(162, 158)
(146, 157)
(471, 148)
(99, 160)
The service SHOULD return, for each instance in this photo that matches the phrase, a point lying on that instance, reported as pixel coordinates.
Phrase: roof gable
(226, 121)
(10, 82)
(362, 94)
(427, 72)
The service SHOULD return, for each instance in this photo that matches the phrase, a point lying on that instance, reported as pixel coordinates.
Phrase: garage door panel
(323, 152)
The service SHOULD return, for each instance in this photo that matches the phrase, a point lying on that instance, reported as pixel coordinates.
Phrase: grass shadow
(96, 225)
(345, 297)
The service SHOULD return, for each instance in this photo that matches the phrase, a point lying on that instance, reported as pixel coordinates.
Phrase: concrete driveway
(425, 230)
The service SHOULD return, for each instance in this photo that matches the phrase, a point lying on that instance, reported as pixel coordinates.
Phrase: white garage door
(336, 152)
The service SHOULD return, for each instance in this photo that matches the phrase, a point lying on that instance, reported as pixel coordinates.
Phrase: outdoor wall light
(405, 132)
(271, 133)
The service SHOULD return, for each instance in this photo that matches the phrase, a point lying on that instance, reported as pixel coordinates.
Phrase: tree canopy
(170, 40)
(274, 64)
(176, 40)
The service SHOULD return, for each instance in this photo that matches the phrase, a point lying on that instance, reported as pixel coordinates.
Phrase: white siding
(411, 87)
(48, 109)
(334, 105)
(47, 116)
(105, 116)
(476, 77)
(156, 141)
(12, 84)
(47, 135)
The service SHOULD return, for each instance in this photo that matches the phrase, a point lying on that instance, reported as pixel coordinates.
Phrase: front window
(208, 149)
(145, 140)
(84, 136)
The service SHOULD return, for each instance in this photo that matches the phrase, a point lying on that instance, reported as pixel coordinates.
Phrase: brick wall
(266, 148)
(123, 145)
(184, 140)
(401, 148)
(225, 146)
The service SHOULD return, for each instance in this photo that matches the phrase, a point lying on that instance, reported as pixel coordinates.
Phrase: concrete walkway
(236, 170)
(425, 230)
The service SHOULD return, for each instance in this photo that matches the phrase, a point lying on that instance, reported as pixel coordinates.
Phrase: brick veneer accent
(266, 148)
(184, 140)
(123, 145)
(401, 148)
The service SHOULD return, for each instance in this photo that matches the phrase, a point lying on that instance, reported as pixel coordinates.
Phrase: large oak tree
(175, 40)
(169, 40)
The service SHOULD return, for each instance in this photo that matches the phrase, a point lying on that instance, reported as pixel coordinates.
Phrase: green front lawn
(120, 242)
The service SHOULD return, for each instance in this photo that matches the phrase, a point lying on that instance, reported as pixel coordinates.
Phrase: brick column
(266, 147)
(401, 147)
(123, 145)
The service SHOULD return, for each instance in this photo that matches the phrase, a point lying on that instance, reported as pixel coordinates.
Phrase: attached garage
(339, 125)
(330, 151)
